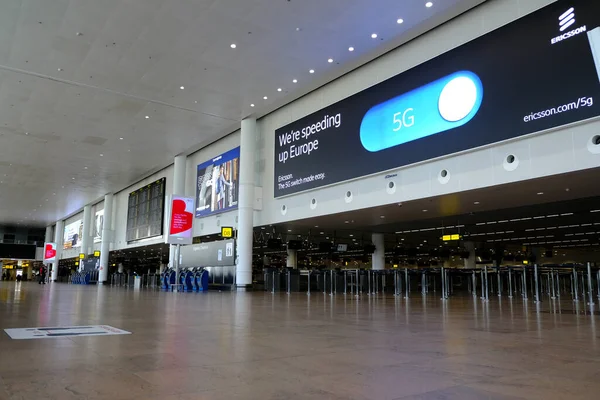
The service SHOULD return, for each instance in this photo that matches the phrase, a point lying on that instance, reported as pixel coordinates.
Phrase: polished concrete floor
(264, 346)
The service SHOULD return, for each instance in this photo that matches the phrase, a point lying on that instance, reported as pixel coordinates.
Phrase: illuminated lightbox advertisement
(72, 235)
(98, 226)
(539, 72)
(217, 184)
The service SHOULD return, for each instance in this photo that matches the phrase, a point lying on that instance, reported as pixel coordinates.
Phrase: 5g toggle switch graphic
(439, 106)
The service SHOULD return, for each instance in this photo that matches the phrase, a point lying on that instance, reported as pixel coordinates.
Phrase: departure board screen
(146, 211)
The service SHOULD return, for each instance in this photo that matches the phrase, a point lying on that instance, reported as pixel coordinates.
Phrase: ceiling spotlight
(382, 216)
(120, 138)
(350, 48)
(85, 167)
(295, 81)
(399, 21)
(540, 193)
(101, 155)
(71, 178)
(428, 4)
(265, 97)
(147, 116)
(330, 60)
(27, 133)
(233, 45)
(476, 203)
(60, 69)
(425, 210)
(279, 89)
(374, 36)
(252, 105)
(79, 33)
(181, 87)
(312, 71)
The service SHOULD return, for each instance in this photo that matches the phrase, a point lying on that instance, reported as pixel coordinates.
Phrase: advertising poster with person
(98, 224)
(72, 235)
(217, 184)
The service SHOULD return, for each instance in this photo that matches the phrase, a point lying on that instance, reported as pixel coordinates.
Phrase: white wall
(538, 155)
(211, 224)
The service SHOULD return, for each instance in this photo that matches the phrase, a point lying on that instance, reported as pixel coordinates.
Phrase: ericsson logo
(564, 22)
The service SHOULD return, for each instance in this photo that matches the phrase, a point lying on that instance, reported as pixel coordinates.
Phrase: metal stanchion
(510, 292)
(331, 282)
(474, 284)
(423, 283)
(575, 288)
(536, 283)
(590, 289)
(499, 282)
(487, 294)
(345, 281)
(289, 281)
(406, 282)
(308, 292)
(443, 276)
(552, 283)
(482, 285)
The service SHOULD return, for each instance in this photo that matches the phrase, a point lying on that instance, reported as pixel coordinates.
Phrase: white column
(378, 257)
(58, 239)
(87, 225)
(470, 262)
(107, 237)
(48, 237)
(243, 273)
(179, 167)
(292, 259)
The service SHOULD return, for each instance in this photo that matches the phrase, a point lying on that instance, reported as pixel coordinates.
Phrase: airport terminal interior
(362, 200)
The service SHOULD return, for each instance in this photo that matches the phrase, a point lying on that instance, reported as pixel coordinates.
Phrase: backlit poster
(72, 235)
(539, 72)
(98, 226)
(217, 184)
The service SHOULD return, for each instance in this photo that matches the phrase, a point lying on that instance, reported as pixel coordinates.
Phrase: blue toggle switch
(439, 106)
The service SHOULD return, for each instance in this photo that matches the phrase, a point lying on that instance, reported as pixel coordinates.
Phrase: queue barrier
(580, 281)
(84, 277)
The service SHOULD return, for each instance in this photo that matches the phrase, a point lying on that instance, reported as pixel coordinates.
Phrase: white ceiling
(76, 76)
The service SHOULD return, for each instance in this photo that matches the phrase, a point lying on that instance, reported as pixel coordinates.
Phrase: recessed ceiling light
(351, 235)
(265, 97)
(295, 81)
(399, 21)
(350, 48)
(120, 138)
(425, 210)
(428, 4)
(101, 155)
(382, 216)
(73, 178)
(147, 116)
(476, 203)
(289, 230)
(312, 71)
(181, 87)
(233, 45)
(85, 167)
(330, 60)
(27, 133)
(374, 36)
(252, 105)
(540, 193)
(279, 89)
(60, 69)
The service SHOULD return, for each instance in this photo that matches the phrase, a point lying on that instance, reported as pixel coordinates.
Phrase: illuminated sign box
(227, 232)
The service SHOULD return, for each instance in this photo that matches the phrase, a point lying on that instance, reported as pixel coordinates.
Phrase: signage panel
(181, 220)
(211, 254)
(217, 184)
(539, 72)
(49, 252)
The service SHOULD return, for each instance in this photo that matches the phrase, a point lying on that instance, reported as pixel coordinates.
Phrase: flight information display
(145, 213)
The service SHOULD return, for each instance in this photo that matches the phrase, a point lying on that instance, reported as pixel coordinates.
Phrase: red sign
(181, 221)
(50, 252)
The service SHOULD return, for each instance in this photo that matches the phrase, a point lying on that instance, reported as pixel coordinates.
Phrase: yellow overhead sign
(81, 256)
(96, 253)
(227, 232)
(449, 238)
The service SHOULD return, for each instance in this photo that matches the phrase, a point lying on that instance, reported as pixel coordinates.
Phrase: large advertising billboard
(181, 220)
(217, 184)
(539, 72)
(72, 235)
